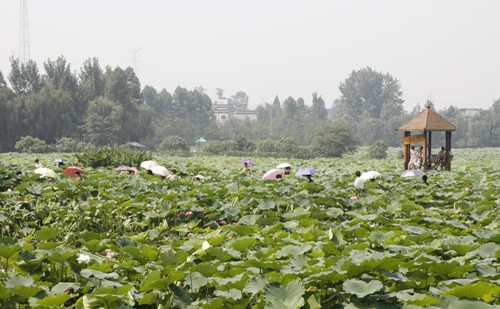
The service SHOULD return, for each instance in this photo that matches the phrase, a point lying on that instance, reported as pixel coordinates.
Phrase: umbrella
(412, 173)
(136, 144)
(160, 170)
(46, 172)
(271, 174)
(124, 168)
(247, 161)
(198, 177)
(306, 171)
(72, 171)
(370, 175)
(284, 165)
(148, 164)
(60, 160)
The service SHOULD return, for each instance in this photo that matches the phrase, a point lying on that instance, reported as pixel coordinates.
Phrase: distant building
(220, 108)
(469, 112)
(250, 115)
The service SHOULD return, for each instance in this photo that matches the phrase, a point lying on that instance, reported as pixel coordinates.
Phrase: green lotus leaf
(89, 273)
(8, 251)
(289, 296)
(486, 271)
(4, 293)
(61, 287)
(18, 280)
(195, 281)
(25, 292)
(52, 301)
(478, 290)
(171, 258)
(47, 233)
(488, 250)
(266, 205)
(180, 293)
(94, 245)
(244, 230)
(219, 253)
(414, 230)
(468, 304)
(291, 250)
(249, 219)
(244, 244)
(233, 294)
(7, 241)
(255, 285)
(61, 255)
(361, 288)
(410, 297)
(121, 290)
(299, 261)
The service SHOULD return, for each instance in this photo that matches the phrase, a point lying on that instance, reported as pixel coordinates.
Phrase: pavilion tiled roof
(427, 120)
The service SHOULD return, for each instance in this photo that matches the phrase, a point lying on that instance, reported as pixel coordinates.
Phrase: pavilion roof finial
(429, 104)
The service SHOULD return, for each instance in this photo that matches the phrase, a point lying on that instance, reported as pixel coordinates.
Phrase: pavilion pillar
(406, 151)
(447, 147)
(429, 149)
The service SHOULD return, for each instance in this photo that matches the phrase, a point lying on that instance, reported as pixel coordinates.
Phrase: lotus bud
(111, 255)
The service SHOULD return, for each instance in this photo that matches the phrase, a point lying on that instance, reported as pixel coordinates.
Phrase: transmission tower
(134, 59)
(24, 32)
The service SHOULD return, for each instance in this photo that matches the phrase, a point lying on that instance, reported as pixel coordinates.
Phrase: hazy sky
(448, 50)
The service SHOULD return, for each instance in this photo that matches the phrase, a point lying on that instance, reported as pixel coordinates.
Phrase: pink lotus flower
(188, 213)
(222, 222)
(353, 198)
(111, 255)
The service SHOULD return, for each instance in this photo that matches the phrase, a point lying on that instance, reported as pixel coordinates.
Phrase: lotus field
(114, 240)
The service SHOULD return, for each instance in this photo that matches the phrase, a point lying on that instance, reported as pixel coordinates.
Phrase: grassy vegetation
(233, 241)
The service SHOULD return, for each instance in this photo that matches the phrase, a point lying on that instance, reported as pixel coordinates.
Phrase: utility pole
(24, 32)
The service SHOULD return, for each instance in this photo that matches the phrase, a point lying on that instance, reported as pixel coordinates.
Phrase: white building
(220, 108)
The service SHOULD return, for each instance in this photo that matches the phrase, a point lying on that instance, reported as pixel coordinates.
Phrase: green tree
(102, 123)
(334, 140)
(276, 107)
(290, 108)
(47, 115)
(30, 144)
(238, 102)
(318, 109)
(369, 90)
(92, 82)
(24, 77)
(7, 117)
(59, 75)
(3, 84)
(377, 150)
(174, 144)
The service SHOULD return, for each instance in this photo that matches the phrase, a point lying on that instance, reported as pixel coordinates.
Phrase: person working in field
(246, 168)
(173, 175)
(359, 182)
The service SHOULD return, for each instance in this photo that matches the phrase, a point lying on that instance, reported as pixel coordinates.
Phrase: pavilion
(426, 122)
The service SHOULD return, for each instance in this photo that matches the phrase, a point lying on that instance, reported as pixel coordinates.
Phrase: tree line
(107, 106)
